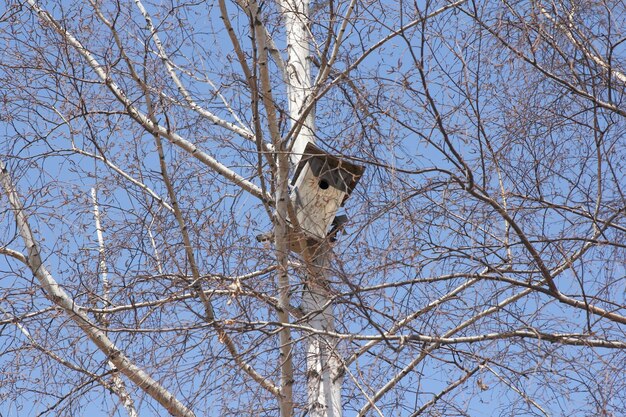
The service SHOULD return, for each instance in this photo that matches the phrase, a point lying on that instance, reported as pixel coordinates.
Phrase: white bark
(296, 14)
(281, 228)
(324, 369)
(241, 131)
(126, 176)
(587, 48)
(142, 118)
(59, 297)
(119, 387)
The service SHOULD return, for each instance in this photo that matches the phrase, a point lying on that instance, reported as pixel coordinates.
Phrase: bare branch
(58, 296)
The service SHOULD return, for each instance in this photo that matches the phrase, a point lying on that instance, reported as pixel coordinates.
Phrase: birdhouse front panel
(321, 184)
(316, 201)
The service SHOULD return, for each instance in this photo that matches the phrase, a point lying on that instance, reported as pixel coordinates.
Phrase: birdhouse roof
(322, 163)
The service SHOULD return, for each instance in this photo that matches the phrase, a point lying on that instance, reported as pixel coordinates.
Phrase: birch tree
(148, 157)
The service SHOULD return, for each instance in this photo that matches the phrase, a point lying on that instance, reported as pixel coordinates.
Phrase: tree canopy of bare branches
(146, 144)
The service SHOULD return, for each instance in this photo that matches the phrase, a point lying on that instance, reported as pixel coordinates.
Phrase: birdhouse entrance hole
(321, 184)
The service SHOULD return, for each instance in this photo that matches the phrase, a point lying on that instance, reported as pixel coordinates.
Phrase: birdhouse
(321, 184)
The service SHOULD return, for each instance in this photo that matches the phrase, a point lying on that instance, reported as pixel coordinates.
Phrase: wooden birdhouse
(321, 184)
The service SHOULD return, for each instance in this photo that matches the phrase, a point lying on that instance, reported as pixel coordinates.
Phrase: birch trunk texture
(118, 383)
(60, 298)
(298, 68)
(474, 268)
(324, 369)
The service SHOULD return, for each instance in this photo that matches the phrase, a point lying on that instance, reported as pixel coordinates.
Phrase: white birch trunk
(296, 14)
(59, 297)
(323, 365)
(118, 382)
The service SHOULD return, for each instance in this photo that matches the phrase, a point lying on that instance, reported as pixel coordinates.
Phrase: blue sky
(405, 224)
